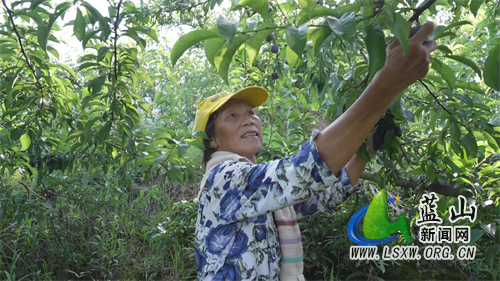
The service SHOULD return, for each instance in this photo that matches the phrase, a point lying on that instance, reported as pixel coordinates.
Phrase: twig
(417, 141)
(361, 50)
(440, 104)
(432, 94)
(418, 11)
(419, 101)
(279, 7)
(30, 190)
(482, 162)
(23, 50)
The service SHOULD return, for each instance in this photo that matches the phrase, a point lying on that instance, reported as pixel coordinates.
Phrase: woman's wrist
(389, 83)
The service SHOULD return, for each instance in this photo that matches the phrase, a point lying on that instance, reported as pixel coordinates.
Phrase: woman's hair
(210, 131)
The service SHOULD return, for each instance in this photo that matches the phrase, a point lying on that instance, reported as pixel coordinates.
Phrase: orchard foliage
(77, 137)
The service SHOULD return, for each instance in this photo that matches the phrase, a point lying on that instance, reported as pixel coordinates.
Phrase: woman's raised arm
(340, 140)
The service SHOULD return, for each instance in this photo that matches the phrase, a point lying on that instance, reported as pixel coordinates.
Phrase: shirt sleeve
(239, 190)
(329, 199)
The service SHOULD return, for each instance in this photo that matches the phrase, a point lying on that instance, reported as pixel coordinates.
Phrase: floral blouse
(236, 237)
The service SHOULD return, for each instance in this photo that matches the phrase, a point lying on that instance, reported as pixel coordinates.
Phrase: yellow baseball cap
(254, 96)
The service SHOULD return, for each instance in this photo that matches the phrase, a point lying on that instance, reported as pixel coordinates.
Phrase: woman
(246, 227)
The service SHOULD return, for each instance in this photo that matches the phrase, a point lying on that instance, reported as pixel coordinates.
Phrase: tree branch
(482, 162)
(361, 51)
(418, 11)
(23, 51)
(440, 104)
(438, 187)
(433, 95)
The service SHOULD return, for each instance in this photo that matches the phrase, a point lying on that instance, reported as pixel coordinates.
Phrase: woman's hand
(403, 70)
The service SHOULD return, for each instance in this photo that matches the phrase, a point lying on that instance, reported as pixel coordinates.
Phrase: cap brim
(254, 96)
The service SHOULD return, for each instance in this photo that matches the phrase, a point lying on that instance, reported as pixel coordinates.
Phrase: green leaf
(151, 32)
(186, 41)
(446, 72)
(255, 42)
(146, 78)
(444, 49)
(491, 141)
(492, 68)
(226, 28)
(16, 133)
(183, 148)
(34, 3)
(260, 6)
(493, 191)
(465, 99)
(319, 36)
(225, 55)
(97, 83)
(43, 35)
(79, 25)
(114, 153)
(475, 234)
(6, 52)
(68, 69)
(474, 6)
(103, 23)
(291, 58)
(53, 51)
(87, 37)
(297, 38)
(453, 166)
(104, 132)
(212, 46)
(375, 44)
(201, 134)
(431, 174)
(321, 11)
(467, 62)
(443, 31)
(345, 26)
(470, 145)
(196, 143)
(399, 27)
(308, 6)
(470, 86)
(101, 53)
(25, 141)
(492, 251)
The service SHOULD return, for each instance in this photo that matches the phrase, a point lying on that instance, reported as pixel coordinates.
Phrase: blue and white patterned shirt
(236, 237)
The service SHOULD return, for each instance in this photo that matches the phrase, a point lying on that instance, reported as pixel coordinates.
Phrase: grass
(111, 227)
(102, 229)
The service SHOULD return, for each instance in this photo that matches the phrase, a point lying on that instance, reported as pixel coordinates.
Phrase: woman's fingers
(424, 32)
(430, 46)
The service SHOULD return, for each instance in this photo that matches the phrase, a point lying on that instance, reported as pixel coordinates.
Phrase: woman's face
(238, 129)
